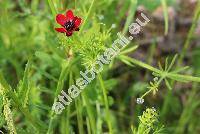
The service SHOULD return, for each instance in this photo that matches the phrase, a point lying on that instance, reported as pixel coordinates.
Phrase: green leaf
(160, 66)
(178, 70)
(166, 64)
(128, 50)
(172, 62)
(126, 61)
(24, 88)
(168, 85)
(2, 120)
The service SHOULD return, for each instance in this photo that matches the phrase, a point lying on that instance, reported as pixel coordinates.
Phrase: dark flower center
(69, 26)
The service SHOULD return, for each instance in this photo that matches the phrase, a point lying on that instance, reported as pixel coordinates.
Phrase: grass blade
(165, 12)
(132, 10)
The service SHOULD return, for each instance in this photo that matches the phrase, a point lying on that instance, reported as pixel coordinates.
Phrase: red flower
(69, 23)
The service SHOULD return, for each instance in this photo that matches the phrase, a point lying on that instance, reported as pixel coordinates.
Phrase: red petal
(69, 15)
(68, 33)
(61, 30)
(77, 21)
(61, 19)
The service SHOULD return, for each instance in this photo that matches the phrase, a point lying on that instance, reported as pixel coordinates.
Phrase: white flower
(102, 24)
(140, 101)
(101, 17)
(154, 109)
(113, 26)
(155, 79)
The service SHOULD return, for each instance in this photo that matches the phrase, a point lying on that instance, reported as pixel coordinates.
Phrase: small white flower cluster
(140, 101)
(153, 108)
(113, 26)
(101, 17)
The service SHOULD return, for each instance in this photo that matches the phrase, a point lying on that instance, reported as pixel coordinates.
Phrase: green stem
(132, 10)
(60, 84)
(52, 7)
(79, 116)
(168, 75)
(164, 5)
(145, 94)
(141, 64)
(99, 120)
(88, 126)
(68, 121)
(90, 112)
(158, 83)
(78, 106)
(75, 4)
(108, 119)
(190, 35)
(88, 15)
(183, 77)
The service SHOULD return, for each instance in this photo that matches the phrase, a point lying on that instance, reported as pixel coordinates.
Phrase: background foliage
(36, 64)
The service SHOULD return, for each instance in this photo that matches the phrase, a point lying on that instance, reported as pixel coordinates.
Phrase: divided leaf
(24, 88)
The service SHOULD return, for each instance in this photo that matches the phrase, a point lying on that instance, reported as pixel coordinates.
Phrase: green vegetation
(37, 63)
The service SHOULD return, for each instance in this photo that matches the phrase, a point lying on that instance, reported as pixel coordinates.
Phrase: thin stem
(88, 126)
(58, 90)
(75, 4)
(158, 83)
(90, 112)
(108, 119)
(164, 5)
(132, 10)
(79, 116)
(183, 77)
(88, 15)
(168, 75)
(52, 7)
(141, 64)
(99, 120)
(190, 35)
(78, 106)
(145, 94)
(68, 121)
